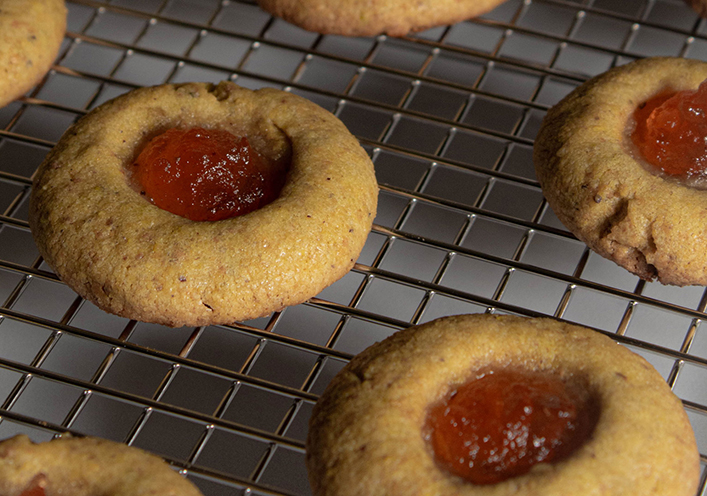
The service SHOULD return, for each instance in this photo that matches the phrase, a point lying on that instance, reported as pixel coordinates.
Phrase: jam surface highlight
(671, 133)
(499, 425)
(205, 175)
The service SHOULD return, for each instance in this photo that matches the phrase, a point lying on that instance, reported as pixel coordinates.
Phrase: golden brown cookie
(131, 258)
(652, 226)
(372, 17)
(366, 431)
(30, 36)
(86, 467)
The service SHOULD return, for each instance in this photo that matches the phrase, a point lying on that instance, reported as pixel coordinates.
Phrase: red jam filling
(33, 491)
(35, 486)
(671, 133)
(205, 175)
(501, 424)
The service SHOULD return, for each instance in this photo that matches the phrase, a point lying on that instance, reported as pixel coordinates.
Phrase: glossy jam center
(33, 491)
(499, 425)
(35, 486)
(671, 132)
(205, 175)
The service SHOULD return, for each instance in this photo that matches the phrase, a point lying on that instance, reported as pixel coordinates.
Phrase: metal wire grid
(448, 116)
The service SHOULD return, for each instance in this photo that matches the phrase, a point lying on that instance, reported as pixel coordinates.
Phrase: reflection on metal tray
(448, 116)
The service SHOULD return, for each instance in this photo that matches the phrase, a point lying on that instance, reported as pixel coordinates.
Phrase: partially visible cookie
(85, 467)
(367, 432)
(699, 6)
(372, 17)
(30, 36)
(655, 227)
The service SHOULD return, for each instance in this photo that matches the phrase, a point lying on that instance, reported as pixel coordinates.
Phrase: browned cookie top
(653, 226)
(86, 467)
(372, 17)
(366, 431)
(132, 258)
(30, 36)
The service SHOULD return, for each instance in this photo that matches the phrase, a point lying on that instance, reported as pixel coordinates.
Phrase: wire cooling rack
(448, 116)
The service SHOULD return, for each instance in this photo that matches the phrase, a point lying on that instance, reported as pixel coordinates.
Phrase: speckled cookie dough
(372, 17)
(30, 36)
(653, 227)
(131, 258)
(366, 437)
(86, 467)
